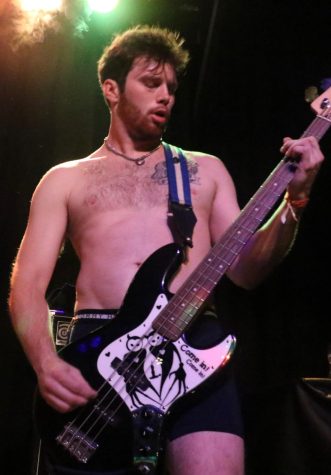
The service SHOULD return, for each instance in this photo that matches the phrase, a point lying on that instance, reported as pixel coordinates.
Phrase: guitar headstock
(322, 104)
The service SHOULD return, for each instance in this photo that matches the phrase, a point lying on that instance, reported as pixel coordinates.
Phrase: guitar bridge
(77, 443)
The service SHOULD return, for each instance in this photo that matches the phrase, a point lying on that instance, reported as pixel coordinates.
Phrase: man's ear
(111, 91)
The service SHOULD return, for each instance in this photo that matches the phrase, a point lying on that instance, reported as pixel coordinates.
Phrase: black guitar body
(139, 374)
(116, 442)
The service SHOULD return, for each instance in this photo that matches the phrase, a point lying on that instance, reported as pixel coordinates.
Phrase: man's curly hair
(152, 42)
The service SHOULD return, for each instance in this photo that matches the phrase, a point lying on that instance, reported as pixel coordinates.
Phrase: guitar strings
(165, 343)
(116, 396)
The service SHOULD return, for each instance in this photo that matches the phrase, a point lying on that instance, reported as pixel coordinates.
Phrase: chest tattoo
(160, 174)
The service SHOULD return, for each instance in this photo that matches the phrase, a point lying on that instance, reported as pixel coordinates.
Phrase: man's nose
(164, 95)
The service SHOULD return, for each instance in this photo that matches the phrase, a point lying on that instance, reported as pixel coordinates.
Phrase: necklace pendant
(138, 161)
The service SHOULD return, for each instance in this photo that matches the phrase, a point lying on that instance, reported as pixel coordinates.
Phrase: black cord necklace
(138, 161)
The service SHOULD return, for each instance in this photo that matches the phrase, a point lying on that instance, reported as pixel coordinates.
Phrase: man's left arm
(272, 242)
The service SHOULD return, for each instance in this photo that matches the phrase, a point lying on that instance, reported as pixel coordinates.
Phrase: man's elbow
(248, 277)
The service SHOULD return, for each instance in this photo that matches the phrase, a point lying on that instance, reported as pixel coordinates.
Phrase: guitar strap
(181, 217)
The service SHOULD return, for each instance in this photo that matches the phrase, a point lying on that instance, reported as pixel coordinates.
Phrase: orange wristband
(296, 203)
(292, 205)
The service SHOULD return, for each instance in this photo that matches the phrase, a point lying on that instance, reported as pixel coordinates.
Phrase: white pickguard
(147, 369)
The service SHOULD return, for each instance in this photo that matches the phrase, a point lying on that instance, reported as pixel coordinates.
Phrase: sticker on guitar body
(145, 368)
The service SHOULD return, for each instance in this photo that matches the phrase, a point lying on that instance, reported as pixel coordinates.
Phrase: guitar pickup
(107, 416)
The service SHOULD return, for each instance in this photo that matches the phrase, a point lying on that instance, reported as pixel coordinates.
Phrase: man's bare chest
(105, 189)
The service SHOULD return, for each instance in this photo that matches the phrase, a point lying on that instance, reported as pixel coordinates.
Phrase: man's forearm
(267, 247)
(29, 315)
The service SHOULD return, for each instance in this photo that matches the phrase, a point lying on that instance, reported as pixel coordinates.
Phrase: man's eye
(151, 83)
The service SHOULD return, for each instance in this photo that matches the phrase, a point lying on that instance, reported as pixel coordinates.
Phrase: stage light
(103, 6)
(44, 5)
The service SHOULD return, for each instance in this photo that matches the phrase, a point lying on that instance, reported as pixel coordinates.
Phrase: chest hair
(131, 186)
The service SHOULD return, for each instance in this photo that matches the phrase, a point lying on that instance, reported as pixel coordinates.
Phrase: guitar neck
(185, 305)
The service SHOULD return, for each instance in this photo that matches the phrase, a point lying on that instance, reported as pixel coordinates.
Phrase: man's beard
(140, 126)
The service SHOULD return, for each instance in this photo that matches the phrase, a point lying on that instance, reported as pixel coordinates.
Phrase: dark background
(244, 91)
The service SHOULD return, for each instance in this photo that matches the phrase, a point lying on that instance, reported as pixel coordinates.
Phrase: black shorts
(215, 406)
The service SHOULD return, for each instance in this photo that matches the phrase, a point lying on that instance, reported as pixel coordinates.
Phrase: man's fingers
(64, 387)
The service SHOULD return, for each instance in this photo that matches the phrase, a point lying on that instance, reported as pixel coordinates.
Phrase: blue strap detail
(172, 182)
(181, 218)
(185, 177)
(172, 177)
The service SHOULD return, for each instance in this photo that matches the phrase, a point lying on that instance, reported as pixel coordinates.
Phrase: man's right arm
(61, 385)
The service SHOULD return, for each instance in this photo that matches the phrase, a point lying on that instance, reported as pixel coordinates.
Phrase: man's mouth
(160, 115)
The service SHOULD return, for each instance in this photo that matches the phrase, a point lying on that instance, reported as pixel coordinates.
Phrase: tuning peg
(311, 93)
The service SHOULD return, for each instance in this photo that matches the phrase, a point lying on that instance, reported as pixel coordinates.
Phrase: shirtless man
(114, 212)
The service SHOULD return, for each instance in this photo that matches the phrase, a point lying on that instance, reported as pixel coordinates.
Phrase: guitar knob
(145, 450)
(147, 413)
(144, 468)
(147, 432)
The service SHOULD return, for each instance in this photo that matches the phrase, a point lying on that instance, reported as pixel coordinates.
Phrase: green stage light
(103, 6)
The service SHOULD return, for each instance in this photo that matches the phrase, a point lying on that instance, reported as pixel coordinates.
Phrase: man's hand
(63, 386)
(310, 160)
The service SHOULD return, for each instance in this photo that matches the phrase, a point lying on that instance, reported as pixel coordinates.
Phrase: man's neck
(127, 145)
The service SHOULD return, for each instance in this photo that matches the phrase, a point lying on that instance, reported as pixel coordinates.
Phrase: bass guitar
(141, 363)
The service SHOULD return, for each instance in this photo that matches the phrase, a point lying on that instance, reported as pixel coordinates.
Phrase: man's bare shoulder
(205, 161)
(60, 180)
(201, 156)
(70, 168)
(75, 165)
